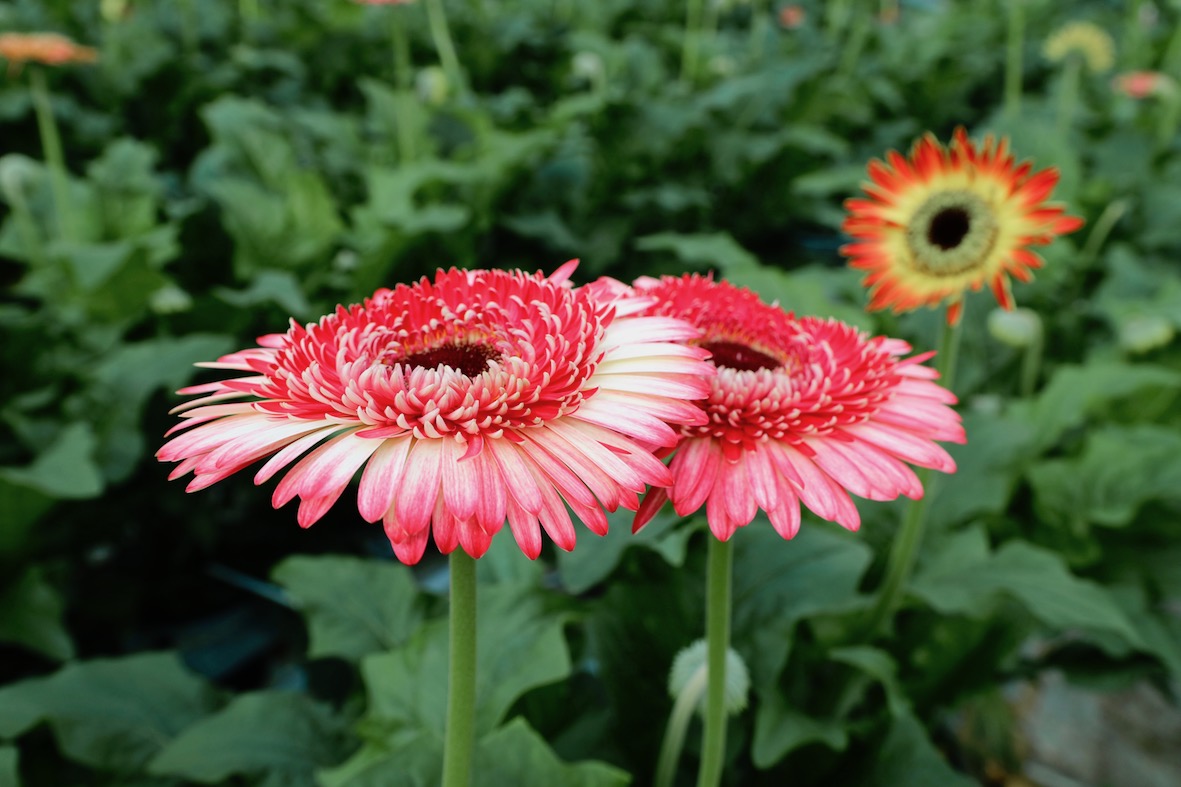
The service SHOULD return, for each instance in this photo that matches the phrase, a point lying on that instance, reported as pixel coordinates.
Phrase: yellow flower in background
(1082, 38)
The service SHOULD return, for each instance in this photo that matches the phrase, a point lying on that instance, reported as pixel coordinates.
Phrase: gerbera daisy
(50, 49)
(479, 396)
(946, 219)
(801, 409)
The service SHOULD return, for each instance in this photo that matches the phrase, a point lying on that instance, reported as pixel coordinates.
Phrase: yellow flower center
(950, 233)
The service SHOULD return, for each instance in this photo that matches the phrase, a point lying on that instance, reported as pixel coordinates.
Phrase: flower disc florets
(801, 409)
(469, 399)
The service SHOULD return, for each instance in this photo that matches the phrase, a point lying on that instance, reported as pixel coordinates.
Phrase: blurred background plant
(225, 166)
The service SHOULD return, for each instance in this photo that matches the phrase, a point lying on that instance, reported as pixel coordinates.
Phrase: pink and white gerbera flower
(801, 410)
(476, 397)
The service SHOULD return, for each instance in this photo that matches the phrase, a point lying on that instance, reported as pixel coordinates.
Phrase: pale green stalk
(678, 724)
(55, 159)
(436, 17)
(1013, 62)
(691, 43)
(717, 634)
(1068, 94)
(906, 544)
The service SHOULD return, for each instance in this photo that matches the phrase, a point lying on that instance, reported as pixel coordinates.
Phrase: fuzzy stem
(55, 159)
(910, 535)
(678, 724)
(441, 35)
(1031, 363)
(717, 634)
(460, 737)
(691, 44)
(1100, 230)
(1068, 95)
(1013, 64)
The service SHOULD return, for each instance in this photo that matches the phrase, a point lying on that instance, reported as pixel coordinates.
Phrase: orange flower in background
(1142, 84)
(803, 411)
(50, 49)
(946, 219)
(792, 16)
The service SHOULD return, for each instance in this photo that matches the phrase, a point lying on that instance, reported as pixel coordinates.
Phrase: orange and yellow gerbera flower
(948, 218)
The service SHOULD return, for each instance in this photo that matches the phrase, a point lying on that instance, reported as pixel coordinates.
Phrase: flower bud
(1017, 328)
(432, 85)
(1142, 333)
(692, 662)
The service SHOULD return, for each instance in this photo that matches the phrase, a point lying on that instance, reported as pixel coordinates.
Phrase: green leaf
(113, 714)
(515, 754)
(9, 775)
(281, 735)
(700, 251)
(596, 557)
(31, 615)
(780, 730)
(1076, 392)
(270, 286)
(409, 758)
(65, 469)
(880, 666)
(988, 467)
(908, 757)
(1119, 470)
(519, 647)
(965, 579)
(813, 290)
(353, 607)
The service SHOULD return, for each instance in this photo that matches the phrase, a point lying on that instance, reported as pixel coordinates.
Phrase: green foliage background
(237, 164)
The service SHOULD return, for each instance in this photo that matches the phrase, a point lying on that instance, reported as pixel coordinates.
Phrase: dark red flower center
(733, 355)
(948, 228)
(469, 359)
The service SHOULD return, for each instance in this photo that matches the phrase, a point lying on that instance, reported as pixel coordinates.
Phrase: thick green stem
(1013, 65)
(1068, 95)
(678, 724)
(717, 635)
(910, 535)
(441, 35)
(460, 739)
(691, 44)
(55, 160)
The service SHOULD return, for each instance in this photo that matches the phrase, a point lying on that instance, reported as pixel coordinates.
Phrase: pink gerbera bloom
(801, 410)
(476, 397)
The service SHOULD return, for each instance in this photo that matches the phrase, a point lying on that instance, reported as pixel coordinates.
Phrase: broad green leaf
(137, 370)
(965, 579)
(65, 469)
(908, 757)
(876, 664)
(9, 759)
(700, 251)
(270, 286)
(519, 647)
(780, 729)
(596, 557)
(515, 754)
(113, 714)
(811, 291)
(988, 467)
(1119, 470)
(408, 758)
(1076, 392)
(281, 735)
(31, 615)
(353, 607)
(505, 564)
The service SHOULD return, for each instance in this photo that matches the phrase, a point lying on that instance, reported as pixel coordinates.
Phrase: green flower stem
(51, 144)
(910, 535)
(1068, 95)
(1031, 363)
(758, 29)
(1101, 229)
(678, 724)
(855, 42)
(1132, 45)
(1013, 66)
(407, 150)
(691, 44)
(460, 738)
(441, 34)
(717, 634)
